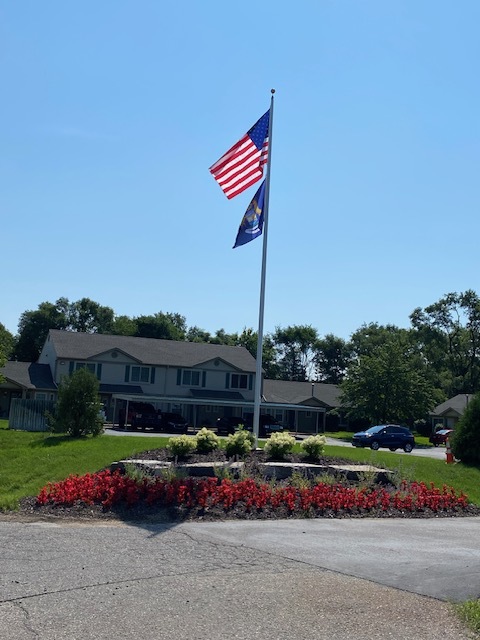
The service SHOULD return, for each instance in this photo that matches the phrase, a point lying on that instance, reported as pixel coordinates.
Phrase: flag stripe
(243, 185)
(250, 156)
(239, 173)
(242, 165)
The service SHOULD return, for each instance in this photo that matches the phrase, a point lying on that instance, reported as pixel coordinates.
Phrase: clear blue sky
(112, 112)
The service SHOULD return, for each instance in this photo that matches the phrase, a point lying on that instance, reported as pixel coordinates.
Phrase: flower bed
(216, 498)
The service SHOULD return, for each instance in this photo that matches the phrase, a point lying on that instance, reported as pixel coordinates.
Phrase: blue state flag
(252, 222)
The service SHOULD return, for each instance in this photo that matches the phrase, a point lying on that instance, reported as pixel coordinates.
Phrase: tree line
(386, 373)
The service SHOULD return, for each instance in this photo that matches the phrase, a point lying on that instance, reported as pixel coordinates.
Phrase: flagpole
(258, 369)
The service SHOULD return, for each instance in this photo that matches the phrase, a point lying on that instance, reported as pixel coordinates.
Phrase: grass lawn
(460, 476)
(469, 612)
(29, 460)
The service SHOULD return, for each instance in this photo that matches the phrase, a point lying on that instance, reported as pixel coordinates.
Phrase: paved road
(302, 580)
(428, 452)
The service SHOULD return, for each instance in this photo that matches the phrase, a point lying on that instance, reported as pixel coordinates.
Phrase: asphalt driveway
(318, 579)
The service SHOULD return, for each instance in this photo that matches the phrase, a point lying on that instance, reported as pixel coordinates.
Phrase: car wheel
(436, 444)
(408, 448)
(393, 448)
(375, 445)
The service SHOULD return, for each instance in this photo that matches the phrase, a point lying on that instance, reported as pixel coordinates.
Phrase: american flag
(243, 164)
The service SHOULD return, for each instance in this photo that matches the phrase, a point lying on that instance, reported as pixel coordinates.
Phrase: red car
(440, 436)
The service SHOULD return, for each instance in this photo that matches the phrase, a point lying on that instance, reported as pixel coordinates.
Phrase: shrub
(313, 446)
(181, 446)
(239, 443)
(466, 438)
(279, 444)
(77, 412)
(207, 441)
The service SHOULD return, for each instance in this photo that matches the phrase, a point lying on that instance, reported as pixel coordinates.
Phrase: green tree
(249, 339)
(165, 326)
(449, 334)
(295, 348)
(332, 357)
(89, 316)
(466, 437)
(195, 334)
(366, 339)
(389, 384)
(124, 326)
(7, 342)
(34, 326)
(78, 405)
(222, 337)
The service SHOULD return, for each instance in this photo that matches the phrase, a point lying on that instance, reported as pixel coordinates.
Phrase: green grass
(460, 476)
(469, 612)
(29, 460)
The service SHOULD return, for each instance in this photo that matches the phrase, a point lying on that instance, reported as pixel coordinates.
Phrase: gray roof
(29, 375)
(287, 392)
(149, 351)
(458, 403)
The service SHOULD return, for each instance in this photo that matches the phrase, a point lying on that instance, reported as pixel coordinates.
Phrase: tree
(124, 326)
(466, 437)
(332, 357)
(389, 384)
(195, 334)
(89, 316)
(83, 315)
(164, 326)
(7, 341)
(222, 337)
(369, 337)
(34, 326)
(248, 339)
(295, 346)
(78, 406)
(449, 334)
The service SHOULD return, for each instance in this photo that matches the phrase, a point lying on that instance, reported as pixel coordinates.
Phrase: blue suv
(391, 436)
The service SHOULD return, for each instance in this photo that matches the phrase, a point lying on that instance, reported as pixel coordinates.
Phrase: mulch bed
(29, 510)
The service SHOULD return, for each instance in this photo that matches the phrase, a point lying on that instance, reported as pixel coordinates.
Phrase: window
(239, 381)
(190, 378)
(90, 366)
(140, 374)
(93, 367)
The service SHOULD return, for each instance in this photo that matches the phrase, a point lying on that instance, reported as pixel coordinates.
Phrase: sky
(112, 113)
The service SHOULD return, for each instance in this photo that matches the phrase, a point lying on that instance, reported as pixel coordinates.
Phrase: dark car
(136, 410)
(173, 422)
(267, 425)
(391, 436)
(228, 424)
(440, 436)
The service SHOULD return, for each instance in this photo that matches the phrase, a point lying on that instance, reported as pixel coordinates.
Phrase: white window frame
(144, 374)
(239, 377)
(187, 376)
